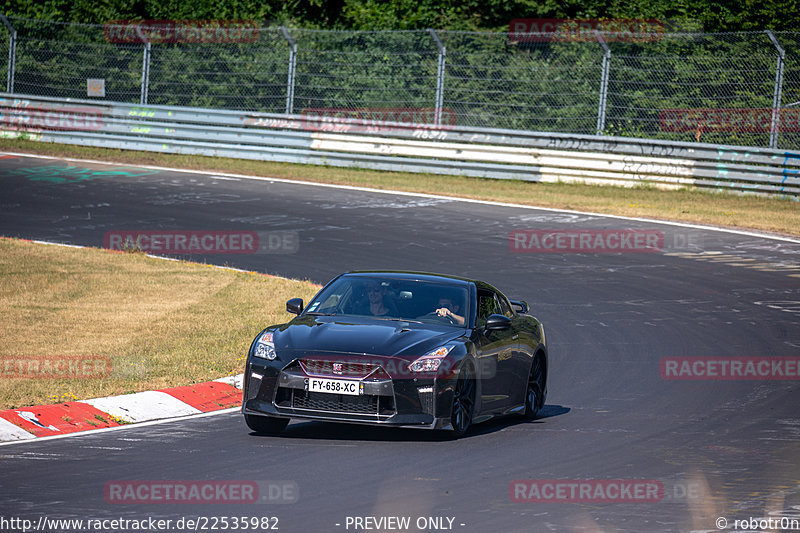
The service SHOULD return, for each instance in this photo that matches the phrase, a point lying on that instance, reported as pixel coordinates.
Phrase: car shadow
(335, 431)
(499, 424)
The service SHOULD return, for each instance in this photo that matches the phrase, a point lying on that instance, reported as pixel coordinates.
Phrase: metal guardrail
(459, 150)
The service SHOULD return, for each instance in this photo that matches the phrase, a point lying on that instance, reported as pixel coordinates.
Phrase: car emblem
(338, 368)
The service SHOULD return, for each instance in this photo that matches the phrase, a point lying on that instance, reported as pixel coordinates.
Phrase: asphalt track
(719, 448)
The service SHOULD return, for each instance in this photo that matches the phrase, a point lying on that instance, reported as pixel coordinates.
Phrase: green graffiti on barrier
(141, 112)
(5, 134)
(70, 174)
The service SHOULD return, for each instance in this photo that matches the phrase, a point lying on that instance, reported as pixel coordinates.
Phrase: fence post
(145, 74)
(12, 53)
(292, 67)
(601, 107)
(775, 124)
(437, 120)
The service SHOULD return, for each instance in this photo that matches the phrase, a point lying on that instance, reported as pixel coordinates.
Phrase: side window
(487, 305)
(505, 307)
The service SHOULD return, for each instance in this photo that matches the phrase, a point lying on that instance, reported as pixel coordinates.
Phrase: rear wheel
(266, 425)
(534, 396)
(463, 401)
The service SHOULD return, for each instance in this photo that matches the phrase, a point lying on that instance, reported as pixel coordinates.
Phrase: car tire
(534, 395)
(463, 406)
(266, 425)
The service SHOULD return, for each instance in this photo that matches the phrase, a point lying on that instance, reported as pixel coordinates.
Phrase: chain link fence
(56, 59)
(715, 88)
(249, 76)
(727, 88)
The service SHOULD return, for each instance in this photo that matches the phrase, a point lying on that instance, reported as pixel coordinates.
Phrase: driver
(447, 309)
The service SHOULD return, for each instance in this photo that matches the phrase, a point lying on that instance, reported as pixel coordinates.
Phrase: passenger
(375, 294)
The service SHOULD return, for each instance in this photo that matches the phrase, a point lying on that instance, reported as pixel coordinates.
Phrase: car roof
(410, 275)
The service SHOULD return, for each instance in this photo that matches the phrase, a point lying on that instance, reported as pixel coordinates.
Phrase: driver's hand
(442, 311)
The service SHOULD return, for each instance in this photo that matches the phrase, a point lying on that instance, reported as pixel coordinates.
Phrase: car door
(520, 362)
(495, 351)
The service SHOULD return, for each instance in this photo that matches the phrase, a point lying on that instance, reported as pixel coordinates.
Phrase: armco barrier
(487, 153)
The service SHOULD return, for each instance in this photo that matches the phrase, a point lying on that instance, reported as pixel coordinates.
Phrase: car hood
(357, 335)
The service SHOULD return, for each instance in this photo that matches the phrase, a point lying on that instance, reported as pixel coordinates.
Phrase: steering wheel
(436, 316)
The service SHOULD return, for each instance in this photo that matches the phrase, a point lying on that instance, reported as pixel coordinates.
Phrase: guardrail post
(292, 67)
(145, 74)
(437, 120)
(12, 53)
(601, 107)
(775, 124)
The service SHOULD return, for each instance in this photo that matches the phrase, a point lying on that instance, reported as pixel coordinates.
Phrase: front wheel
(534, 396)
(463, 402)
(266, 425)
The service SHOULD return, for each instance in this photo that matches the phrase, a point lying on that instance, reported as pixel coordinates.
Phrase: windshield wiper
(397, 319)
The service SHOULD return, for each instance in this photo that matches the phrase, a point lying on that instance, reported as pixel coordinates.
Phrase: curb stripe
(143, 406)
(125, 427)
(112, 412)
(209, 396)
(69, 417)
(12, 432)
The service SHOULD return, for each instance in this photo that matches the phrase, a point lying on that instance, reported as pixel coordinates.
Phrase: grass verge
(161, 323)
(685, 205)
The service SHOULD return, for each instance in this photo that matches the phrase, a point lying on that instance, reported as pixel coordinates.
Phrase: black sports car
(400, 349)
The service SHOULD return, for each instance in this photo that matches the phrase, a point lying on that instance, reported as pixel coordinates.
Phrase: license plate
(333, 386)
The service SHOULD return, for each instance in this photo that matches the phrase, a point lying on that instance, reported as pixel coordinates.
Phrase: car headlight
(265, 348)
(431, 361)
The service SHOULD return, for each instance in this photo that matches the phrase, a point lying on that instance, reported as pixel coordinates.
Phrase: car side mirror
(497, 322)
(295, 305)
(520, 306)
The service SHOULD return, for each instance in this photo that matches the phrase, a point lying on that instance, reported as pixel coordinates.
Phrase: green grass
(161, 323)
(685, 205)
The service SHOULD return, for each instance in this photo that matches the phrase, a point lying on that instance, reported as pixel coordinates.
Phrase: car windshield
(395, 299)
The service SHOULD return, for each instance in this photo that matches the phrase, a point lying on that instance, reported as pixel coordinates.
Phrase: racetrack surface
(719, 448)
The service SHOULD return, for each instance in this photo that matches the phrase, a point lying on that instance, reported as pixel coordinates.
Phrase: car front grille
(335, 403)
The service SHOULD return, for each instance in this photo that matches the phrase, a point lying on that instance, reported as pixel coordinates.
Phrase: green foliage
(714, 15)
(490, 80)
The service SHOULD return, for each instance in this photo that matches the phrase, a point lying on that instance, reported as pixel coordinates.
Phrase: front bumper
(408, 402)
